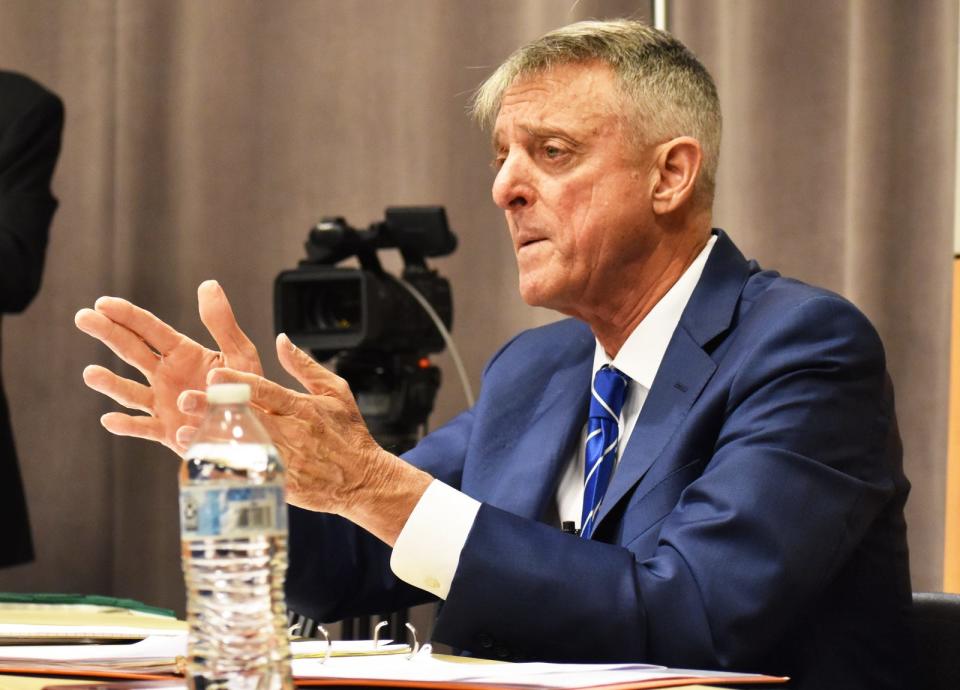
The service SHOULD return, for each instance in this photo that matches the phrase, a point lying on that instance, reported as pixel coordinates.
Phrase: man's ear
(678, 165)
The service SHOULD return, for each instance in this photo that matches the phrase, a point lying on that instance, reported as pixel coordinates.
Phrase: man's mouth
(527, 240)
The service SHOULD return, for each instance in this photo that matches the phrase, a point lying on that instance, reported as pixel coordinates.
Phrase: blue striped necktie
(603, 432)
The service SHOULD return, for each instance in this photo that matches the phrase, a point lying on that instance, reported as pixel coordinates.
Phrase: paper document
(442, 670)
(359, 663)
(156, 654)
(40, 624)
(162, 654)
(317, 649)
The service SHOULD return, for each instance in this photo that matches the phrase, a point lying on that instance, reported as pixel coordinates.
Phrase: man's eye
(497, 162)
(555, 153)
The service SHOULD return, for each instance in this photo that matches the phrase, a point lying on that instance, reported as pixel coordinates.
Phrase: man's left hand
(333, 464)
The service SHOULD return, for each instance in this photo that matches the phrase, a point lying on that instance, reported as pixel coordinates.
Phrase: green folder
(54, 599)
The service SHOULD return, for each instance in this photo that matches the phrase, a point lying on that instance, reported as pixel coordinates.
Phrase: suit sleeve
(797, 474)
(29, 146)
(338, 570)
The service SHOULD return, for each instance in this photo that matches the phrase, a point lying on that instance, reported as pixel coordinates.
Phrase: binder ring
(326, 636)
(415, 647)
(376, 633)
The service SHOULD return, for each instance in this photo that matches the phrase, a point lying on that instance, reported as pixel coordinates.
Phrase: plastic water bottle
(233, 530)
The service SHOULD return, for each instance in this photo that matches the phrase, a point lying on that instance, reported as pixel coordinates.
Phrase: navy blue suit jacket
(755, 521)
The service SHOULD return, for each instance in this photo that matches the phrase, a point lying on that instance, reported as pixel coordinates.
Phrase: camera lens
(335, 308)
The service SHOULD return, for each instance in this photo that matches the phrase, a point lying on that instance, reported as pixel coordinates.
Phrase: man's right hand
(170, 361)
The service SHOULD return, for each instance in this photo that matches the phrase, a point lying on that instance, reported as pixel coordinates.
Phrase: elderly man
(734, 470)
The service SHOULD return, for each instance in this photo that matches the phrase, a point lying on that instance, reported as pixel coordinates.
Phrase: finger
(265, 394)
(149, 428)
(217, 315)
(124, 343)
(192, 402)
(305, 369)
(128, 393)
(185, 436)
(157, 334)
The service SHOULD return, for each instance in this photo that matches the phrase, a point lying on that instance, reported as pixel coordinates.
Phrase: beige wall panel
(951, 570)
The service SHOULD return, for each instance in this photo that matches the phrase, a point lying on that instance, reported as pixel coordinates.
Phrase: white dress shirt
(427, 551)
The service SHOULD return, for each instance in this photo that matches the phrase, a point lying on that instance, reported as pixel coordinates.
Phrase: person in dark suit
(734, 467)
(31, 121)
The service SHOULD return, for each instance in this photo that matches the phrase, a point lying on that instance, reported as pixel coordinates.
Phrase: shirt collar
(641, 354)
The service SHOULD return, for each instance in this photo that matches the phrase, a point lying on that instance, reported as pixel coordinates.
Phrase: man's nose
(513, 186)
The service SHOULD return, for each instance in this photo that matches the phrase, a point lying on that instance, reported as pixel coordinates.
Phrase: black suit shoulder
(21, 95)
(31, 128)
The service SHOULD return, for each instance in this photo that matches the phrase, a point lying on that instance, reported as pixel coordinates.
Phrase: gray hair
(673, 94)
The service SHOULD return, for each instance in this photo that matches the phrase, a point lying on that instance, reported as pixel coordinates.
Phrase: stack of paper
(28, 637)
(36, 624)
(159, 655)
(359, 664)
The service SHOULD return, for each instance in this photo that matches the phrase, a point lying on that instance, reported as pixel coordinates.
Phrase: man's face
(575, 191)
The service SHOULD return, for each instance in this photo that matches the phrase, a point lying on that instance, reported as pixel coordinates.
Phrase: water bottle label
(232, 510)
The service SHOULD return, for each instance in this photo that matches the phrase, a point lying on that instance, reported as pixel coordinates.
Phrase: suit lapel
(564, 410)
(522, 464)
(685, 370)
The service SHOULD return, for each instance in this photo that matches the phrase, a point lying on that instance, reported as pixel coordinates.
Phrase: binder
(371, 663)
(693, 683)
(158, 682)
(429, 671)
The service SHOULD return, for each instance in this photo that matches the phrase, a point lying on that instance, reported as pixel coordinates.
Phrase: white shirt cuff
(427, 552)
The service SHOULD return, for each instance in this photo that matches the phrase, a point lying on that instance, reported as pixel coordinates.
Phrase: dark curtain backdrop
(204, 138)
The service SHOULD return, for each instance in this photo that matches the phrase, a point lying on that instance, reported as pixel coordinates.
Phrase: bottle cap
(228, 393)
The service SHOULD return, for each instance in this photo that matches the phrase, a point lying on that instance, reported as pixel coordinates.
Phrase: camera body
(327, 310)
(379, 332)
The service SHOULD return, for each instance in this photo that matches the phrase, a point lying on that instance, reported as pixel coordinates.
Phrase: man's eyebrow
(542, 132)
(538, 132)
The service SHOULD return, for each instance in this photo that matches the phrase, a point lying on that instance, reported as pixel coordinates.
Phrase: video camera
(380, 333)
